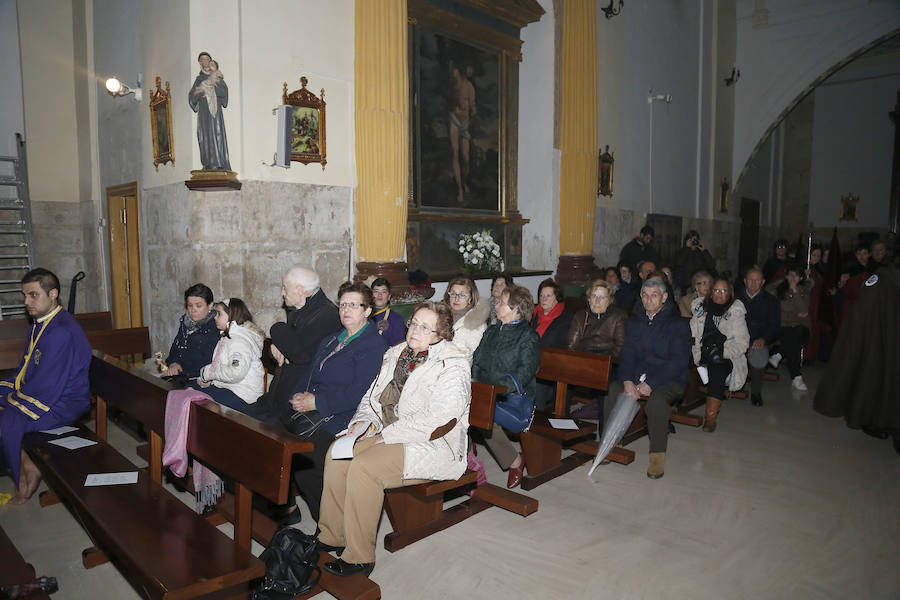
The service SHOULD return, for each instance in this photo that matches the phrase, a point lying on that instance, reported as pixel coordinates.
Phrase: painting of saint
(456, 100)
(305, 130)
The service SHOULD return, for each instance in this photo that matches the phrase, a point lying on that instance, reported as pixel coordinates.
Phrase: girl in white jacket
(235, 376)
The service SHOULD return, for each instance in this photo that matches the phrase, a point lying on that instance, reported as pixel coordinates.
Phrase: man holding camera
(689, 259)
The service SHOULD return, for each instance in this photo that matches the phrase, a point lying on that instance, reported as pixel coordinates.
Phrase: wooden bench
(256, 457)
(542, 444)
(13, 568)
(167, 549)
(417, 511)
(17, 328)
(117, 342)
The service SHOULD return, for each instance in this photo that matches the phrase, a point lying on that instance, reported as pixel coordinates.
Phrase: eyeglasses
(598, 297)
(458, 295)
(720, 290)
(413, 325)
(353, 305)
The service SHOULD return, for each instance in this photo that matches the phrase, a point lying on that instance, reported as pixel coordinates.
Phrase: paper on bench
(563, 424)
(72, 442)
(343, 446)
(122, 478)
(60, 430)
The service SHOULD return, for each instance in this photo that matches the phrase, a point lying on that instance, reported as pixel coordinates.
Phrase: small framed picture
(849, 208)
(724, 190)
(307, 124)
(605, 172)
(161, 125)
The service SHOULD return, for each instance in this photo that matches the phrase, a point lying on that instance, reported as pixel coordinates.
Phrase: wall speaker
(283, 137)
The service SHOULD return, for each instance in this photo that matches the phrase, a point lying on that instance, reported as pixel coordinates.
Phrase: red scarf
(543, 321)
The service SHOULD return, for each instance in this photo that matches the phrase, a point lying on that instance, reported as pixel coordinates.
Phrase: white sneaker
(799, 384)
(775, 360)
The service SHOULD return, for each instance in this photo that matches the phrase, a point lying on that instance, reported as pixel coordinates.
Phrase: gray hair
(655, 284)
(304, 276)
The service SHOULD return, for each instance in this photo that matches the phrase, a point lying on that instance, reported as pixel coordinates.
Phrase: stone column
(381, 96)
(578, 141)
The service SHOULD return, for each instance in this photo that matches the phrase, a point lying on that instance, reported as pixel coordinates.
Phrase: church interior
(363, 137)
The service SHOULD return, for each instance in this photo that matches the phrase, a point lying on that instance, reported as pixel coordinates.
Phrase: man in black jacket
(654, 362)
(310, 317)
(763, 323)
(639, 249)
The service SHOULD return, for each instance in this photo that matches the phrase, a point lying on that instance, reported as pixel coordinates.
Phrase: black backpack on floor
(291, 566)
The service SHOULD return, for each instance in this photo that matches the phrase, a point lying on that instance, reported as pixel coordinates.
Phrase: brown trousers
(354, 495)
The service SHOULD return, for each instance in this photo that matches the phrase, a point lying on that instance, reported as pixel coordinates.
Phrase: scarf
(192, 326)
(208, 487)
(459, 314)
(544, 320)
(390, 396)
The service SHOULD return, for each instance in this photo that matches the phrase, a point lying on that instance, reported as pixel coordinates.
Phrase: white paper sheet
(563, 424)
(72, 442)
(343, 446)
(61, 430)
(122, 478)
(703, 372)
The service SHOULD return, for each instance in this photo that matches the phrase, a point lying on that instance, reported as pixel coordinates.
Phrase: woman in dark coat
(197, 335)
(861, 381)
(551, 321)
(343, 368)
(510, 346)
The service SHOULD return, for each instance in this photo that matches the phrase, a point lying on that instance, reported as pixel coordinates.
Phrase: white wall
(12, 119)
(853, 142)
(780, 60)
(538, 181)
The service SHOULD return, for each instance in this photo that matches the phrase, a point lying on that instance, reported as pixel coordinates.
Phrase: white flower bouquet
(480, 253)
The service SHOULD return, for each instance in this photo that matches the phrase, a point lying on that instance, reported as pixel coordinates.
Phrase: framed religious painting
(307, 124)
(458, 116)
(161, 125)
(605, 171)
(849, 208)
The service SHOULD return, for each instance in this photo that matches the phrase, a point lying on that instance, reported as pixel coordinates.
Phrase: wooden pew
(256, 457)
(13, 568)
(166, 548)
(118, 342)
(542, 444)
(17, 328)
(416, 511)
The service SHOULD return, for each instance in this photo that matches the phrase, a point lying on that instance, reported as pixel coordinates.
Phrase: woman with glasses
(700, 282)
(721, 339)
(415, 416)
(599, 329)
(469, 313)
(344, 366)
(510, 346)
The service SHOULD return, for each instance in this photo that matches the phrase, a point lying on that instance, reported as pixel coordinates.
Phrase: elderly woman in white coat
(721, 339)
(469, 313)
(416, 419)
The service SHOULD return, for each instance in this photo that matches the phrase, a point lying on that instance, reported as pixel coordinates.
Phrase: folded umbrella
(614, 429)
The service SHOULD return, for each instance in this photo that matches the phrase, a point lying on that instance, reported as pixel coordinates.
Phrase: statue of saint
(208, 98)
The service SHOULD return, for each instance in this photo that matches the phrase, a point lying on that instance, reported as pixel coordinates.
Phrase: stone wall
(65, 241)
(239, 244)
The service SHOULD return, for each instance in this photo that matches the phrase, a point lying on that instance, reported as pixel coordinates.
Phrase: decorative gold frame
(161, 114)
(849, 208)
(724, 189)
(303, 98)
(606, 165)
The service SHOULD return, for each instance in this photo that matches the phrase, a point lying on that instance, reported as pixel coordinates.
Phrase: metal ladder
(16, 243)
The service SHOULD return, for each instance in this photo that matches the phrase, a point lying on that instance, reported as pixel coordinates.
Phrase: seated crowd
(404, 388)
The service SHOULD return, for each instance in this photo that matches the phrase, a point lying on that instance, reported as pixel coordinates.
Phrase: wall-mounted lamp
(117, 88)
(734, 77)
(611, 11)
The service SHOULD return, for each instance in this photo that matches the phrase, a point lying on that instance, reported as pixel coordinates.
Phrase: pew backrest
(568, 367)
(484, 400)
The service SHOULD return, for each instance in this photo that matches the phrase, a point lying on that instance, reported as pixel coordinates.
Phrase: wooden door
(125, 255)
(748, 250)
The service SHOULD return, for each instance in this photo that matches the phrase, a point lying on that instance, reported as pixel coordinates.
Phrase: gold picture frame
(307, 124)
(606, 165)
(161, 125)
(849, 208)
(724, 192)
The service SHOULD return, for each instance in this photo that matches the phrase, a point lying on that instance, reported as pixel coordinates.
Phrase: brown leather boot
(657, 466)
(712, 412)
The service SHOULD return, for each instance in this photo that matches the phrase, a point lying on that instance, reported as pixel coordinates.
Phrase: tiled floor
(779, 502)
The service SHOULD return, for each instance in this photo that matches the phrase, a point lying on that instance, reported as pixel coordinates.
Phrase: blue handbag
(516, 412)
